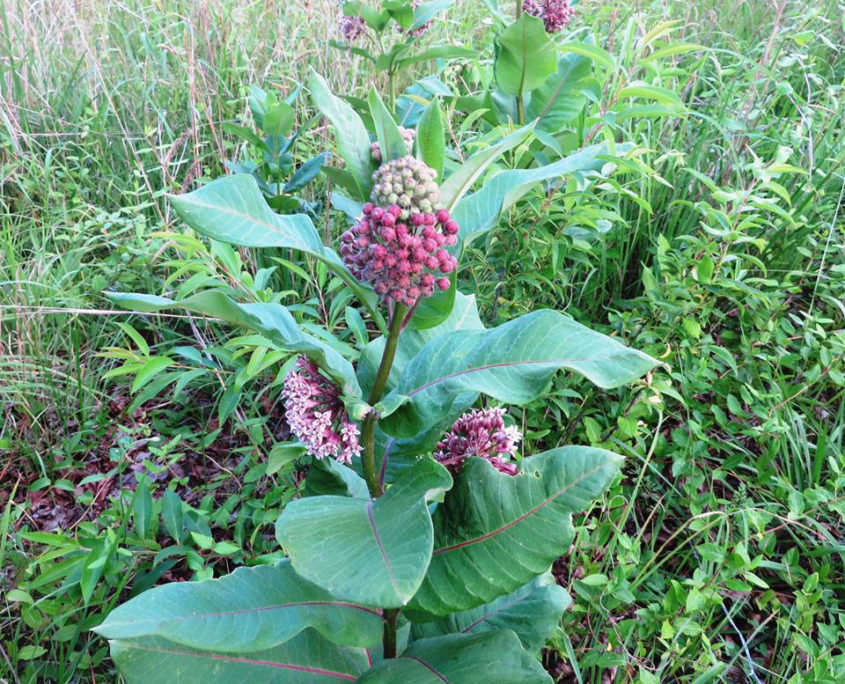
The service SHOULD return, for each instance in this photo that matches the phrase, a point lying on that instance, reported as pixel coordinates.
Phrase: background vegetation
(718, 556)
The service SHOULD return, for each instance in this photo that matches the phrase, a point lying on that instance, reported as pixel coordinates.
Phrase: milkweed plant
(421, 547)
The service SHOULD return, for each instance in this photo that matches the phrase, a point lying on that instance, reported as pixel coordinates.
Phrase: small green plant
(274, 170)
(422, 537)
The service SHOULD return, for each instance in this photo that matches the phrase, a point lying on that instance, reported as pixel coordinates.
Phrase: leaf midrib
(524, 516)
(246, 661)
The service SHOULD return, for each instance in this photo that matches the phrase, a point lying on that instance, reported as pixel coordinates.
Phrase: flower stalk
(368, 427)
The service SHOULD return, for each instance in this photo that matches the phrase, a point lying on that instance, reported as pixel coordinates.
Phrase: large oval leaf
(373, 552)
(559, 100)
(495, 532)
(273, 321)
(253, 609)
(305, 659)
(492, 658)
(533, 612)
(526, 58)
(233, 210)
(353, 141)
(511, 363)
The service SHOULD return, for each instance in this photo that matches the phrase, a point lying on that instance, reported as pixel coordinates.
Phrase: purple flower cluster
(352, 28)
(555, 14)
(316, 414)
(408, 134)
(479, 433)
(400, 257)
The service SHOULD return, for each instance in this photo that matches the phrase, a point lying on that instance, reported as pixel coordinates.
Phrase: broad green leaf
(491, 657)
(431, 137)
(252, 609)
(495, 532)
(389, 138)
(374, 552)
(352, 139)
(273, 321)
(480, 211)
(233, 210)
(461, 180)
(463, 316)
(328, 477)
(305, 659)
(511, 363)
(559, 100)
(533, 612)
(526, 57)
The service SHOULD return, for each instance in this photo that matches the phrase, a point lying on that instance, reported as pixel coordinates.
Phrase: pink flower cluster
(479, 433)
(352, 28)
(316, 414)
(555, 14)
(399, 257)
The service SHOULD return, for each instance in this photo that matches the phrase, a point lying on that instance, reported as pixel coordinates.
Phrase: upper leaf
(233, 210)
(559, 100)
(252, 609)
(533, 612)
(305, 659)
(479, 212)
(353, 141)
(390, 140)
(495, 532)
(526, 58)
(491, 657)
(511, 363)
(273, 321)
(375, 552)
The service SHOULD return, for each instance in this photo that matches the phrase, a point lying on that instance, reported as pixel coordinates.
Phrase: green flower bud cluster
(408, 183)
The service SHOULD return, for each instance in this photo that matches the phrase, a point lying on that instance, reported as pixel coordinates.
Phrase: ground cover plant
(667, 176)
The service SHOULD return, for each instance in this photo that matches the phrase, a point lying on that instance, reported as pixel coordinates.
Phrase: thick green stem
(518, 8)
(391, 92)
(368, 428)
(391, 617)
(520, 102)
(368, 439)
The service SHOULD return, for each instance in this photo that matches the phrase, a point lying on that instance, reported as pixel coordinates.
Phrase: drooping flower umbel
(408, 134)
(400, 259)
(483, 433)
(316, 415)
(409, 183)
(554, 13)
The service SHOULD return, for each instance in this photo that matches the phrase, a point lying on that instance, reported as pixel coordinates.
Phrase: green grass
(718, 557)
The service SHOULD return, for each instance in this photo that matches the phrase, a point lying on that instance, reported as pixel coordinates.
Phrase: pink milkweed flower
(482, 433)
(392, 254)
(316, 414)
(555, 14)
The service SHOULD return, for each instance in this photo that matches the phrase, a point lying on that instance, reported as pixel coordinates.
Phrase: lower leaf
(305, 659)
(375, 552)
(532, 612)
(252, 609)
(492, 657)
(495, 532)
